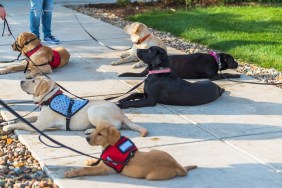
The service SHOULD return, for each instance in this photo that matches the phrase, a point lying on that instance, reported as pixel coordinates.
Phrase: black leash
(110, 98)
(11, 61)
(97, 39)
(246, 82)
(8, 27)
(10, 34)
(51, 139)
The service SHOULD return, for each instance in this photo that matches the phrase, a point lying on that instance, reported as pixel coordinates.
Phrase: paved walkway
(235, 141)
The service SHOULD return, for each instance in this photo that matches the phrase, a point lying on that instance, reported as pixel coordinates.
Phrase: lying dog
(153, 165)
(42, 57)
(142, 39)
(59, 111)
(198, 65)
(162, 86)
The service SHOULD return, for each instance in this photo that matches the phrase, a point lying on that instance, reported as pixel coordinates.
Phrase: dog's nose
(88, 138)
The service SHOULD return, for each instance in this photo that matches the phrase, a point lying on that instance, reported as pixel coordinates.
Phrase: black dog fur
(167, 88)
(194, 66)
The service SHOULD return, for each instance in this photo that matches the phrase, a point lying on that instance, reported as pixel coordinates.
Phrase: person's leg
(47, 17)
(35, 14)
(47, 21)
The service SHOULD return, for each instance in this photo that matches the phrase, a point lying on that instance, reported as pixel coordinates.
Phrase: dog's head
(154, 56)
(137, 31)
(227, 61)
(104, 136)
(39, 87)
(25, 42)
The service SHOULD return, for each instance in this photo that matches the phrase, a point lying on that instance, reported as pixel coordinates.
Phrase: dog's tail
(221, 90)
(188, 168)
(131, 74)
(130, 125)
(182, 171)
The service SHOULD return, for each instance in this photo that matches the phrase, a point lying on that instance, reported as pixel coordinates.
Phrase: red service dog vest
(56, 59)
(121, 152)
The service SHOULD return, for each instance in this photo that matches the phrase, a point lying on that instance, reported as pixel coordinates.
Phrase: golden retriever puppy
(55, 106)
(142, 39)
(42, 57)
(152, 165)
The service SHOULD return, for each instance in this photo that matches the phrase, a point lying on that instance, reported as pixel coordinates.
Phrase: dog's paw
(138, 65)
(70, 174)
(7, 128)
(89, 131)
(122, 106)
(4, 72)
(124, 55)
(29, 76)
(115, 63)
(123, 100)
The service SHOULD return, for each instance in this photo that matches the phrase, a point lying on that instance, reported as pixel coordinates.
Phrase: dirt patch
(132, 9)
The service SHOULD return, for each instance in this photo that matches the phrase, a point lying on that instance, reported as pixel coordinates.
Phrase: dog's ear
(113, 135)
(43, 86)
(137, 28)
(162, 54)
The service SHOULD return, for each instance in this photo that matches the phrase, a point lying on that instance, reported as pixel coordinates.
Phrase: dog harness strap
(31, 52)
(56, 60)
(143, 39)
(160, 71)
(217, 59)
(68, 116)
(118, 155)
(26, 67)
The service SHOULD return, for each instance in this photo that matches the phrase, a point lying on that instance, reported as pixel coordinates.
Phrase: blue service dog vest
(66, 106)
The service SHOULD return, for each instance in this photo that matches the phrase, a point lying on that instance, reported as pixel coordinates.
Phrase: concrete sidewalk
(235, 141)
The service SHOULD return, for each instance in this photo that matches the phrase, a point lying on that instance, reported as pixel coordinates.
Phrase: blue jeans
(41, 9)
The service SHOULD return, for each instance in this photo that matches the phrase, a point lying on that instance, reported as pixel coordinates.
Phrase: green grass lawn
(252, 34)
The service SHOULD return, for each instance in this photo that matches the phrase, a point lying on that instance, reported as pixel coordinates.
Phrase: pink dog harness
(119, 154)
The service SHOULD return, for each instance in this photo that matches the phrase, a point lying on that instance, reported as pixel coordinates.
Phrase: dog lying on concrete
(142, 39)
(153, 165)
(56, 107)
(163, 86)
(43, 57)
(198, 65)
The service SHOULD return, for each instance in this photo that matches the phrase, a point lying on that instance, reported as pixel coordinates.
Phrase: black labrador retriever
(163, 86)
(198, 65)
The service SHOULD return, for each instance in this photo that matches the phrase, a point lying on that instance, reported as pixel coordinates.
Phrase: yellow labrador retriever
(54, 105)
(43, 57)
(142, 39)
(153, 165)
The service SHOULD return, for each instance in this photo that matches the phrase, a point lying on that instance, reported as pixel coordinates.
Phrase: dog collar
(46, 103)
(160, 71)
(217, 59)
(31, 52)
(143, 39)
